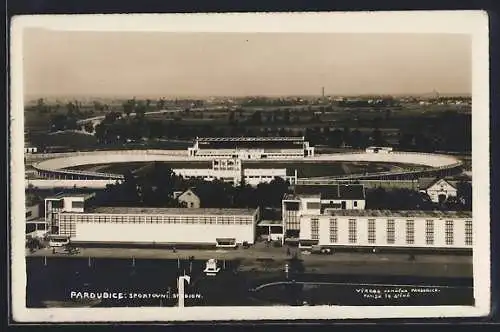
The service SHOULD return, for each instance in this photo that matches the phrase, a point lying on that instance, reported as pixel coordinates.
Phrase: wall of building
(381, 233)
(33, 212)
(190, 199)
(46, 184)
(161, 233)
(441, 188)
(254, 176)
(86, 227)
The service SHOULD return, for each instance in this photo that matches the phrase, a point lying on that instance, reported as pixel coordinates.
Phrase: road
(274, 258)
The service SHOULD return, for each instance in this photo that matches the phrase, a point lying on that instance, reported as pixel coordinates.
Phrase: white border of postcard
(474, 23)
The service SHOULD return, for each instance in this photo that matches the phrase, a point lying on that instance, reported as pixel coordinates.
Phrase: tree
(377, 137)
(464, 194)
(128, 106)
(111, 117)
(356, 139)
(160, 104)
(336, 138)
(40, 106)
(101, 133)
(346, 136)
(286, 116)
(256, 118)
(98, 106)
(388, 114)
(231, 118)
(89, 127)
(405, 140)
(58, 122)
(140, 111)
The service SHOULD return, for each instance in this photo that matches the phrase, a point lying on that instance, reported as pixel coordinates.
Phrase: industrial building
(220, 227)
(379, 228)
(230, 170)
(251, 147)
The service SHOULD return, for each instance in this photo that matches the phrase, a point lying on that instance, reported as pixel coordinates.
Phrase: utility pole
(180, 287)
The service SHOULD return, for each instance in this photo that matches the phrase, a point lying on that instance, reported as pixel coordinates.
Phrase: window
(355, 203)
(334, 230)
(77, 204)
(371, 231)
(390, 231)
(410, 232)
(315, 229)
(449, 232)
(28, 214)
(429, 232)
(58, 204)
(313, 205)
(468, 232)
(352, 231)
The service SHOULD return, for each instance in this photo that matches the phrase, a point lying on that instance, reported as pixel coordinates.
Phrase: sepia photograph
(214, 167)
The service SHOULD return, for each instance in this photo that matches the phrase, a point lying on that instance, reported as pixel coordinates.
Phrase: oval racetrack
(57, 164)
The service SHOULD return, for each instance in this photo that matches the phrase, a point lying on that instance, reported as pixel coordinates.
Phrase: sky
(67, 63)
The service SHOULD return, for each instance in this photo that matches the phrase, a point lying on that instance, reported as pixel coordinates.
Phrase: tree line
(407, 199)
(156, 187)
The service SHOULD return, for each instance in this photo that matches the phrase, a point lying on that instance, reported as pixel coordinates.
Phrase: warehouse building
(379, 228)
(251, 147)
(219, 227)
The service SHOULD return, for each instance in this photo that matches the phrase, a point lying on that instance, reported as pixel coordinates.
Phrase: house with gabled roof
(195, 197)
(439, 190)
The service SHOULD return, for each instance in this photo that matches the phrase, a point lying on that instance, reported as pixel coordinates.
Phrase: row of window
(315, 229)
(158, 219)
(317, 205)
(269, 177)
(391, 231)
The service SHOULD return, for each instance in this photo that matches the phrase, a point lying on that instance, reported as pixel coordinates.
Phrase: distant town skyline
(155, 64)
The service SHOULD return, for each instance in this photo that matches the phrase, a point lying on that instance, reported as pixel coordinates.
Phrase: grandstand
(251, 147)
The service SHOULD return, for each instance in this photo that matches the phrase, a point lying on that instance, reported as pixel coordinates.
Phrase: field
(304, 169)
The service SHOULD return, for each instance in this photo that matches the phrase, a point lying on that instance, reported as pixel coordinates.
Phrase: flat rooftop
(171, 211)
(333, 192)
(400, 214)
(249, 139)
(270, 223)
(62, 195)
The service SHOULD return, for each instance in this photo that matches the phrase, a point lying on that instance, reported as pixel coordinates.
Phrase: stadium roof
(249, 139)
(172, 211)
(345, 191)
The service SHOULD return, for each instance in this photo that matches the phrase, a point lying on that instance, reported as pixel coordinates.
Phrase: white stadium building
(251, 147)
(230, 170)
